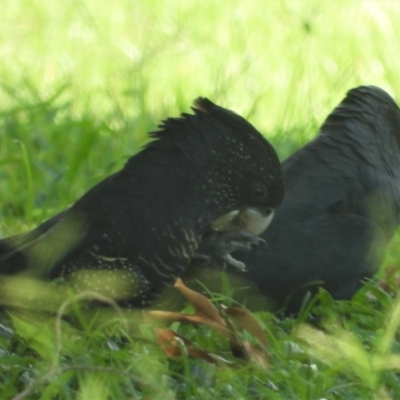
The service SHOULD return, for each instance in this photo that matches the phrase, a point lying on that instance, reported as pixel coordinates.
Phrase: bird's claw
(217, 247)
(236, 264)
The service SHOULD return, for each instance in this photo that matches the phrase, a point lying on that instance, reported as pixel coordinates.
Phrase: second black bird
(341, 205)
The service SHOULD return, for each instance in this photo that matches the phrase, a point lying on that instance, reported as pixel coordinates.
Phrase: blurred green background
(82, 82)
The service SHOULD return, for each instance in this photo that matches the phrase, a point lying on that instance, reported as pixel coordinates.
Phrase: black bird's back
(341, 204)
(145, 222)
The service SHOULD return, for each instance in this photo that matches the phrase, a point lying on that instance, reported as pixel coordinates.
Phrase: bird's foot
(217, 247)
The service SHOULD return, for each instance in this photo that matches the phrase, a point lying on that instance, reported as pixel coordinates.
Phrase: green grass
(82, 82)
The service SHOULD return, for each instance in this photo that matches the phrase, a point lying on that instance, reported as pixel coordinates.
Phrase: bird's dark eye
(259, 192)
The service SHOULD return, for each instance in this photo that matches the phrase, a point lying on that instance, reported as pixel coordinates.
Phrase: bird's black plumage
(341, 205)
(146, 221)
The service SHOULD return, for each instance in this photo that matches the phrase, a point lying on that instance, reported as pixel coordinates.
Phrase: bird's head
(225, 172)
(243, 178)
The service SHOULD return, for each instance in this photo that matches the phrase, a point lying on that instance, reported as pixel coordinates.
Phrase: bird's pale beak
(251, 220)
